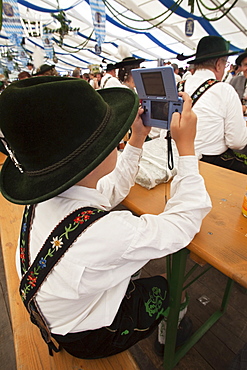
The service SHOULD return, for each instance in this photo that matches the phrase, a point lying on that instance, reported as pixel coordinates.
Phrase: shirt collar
(205, 73)
(91, 197)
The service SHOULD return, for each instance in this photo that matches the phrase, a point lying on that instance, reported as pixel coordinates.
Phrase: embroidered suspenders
(57, 243)
(200, 90)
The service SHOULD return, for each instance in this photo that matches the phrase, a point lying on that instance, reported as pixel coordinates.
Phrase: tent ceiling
(129, 28)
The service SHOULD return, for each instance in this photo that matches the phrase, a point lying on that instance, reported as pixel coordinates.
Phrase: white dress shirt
(220, 122)
(86, 287)
(109, 81)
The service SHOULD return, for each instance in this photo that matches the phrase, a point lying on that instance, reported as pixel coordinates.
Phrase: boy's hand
(183, 127)
(139, 131)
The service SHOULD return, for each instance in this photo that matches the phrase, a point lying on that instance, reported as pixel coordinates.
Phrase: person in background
(190, 71)
(221, 126)
(3, 83)
(85, 76)
(46, 70)
(90, 304)
(22, 75)
(181, 71)
(30, 68)
(126, 79)
(124, 70)
(76, 73)
(97, 80)
(240, 82)
(91, 82)
(109, 79)
(176, 74)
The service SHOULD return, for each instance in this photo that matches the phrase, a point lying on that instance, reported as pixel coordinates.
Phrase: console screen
(153, 84)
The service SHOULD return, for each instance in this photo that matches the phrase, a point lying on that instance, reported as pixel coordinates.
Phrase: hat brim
(212, 56)
(21, 188)
(129, 63)
(240, 58)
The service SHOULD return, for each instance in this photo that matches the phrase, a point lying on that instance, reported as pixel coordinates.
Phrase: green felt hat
(211, 47)
(58, 130)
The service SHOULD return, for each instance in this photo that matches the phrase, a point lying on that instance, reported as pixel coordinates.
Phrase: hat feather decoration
(184, 57)
(123, 52)
(38, 57)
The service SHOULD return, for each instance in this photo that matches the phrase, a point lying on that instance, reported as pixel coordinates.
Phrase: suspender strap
(200, 90)
(107, 79)
(57, 243)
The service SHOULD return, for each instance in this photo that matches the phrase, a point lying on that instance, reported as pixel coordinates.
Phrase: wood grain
(222, 240)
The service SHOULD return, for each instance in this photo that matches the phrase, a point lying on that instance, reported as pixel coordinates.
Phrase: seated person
(240, 82)
(221, 126)
(109, 79)
(46, 70)
(24, 74)
(124, 71)
(68, 160)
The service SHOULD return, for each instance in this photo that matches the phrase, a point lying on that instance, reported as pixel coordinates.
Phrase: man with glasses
(240, 82)
(220, 126)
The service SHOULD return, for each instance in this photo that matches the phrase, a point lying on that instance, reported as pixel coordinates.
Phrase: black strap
(57, 243)
(106, 80)
(200, 90)
(169, 150)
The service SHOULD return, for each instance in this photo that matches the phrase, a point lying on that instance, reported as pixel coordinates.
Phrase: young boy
(61, 137)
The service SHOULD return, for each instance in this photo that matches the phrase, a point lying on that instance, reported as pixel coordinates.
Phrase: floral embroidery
(32, 279)
(57, 243)
(200, 90)
(42, 263)
(22, 245)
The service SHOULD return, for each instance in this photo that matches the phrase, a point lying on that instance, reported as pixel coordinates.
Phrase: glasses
(225, 61)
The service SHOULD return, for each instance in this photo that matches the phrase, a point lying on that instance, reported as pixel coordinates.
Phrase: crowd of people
(62, 156)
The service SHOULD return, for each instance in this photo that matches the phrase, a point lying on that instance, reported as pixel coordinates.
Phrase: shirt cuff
(132, 152)
(187, 165)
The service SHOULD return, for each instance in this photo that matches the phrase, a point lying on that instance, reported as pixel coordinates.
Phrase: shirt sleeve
(155, 236)
(117, 184)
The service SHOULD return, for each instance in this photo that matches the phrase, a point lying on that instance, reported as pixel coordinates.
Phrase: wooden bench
(31, 351)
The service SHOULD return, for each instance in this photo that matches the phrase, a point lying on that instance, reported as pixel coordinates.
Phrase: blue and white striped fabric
(11, 21)
(48, 46)
(99, 18)
(12, 26)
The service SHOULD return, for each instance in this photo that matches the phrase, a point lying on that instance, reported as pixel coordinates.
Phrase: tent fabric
(130, 29)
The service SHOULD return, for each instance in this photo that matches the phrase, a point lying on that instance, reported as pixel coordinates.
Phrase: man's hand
(139, 131)
(183, 127)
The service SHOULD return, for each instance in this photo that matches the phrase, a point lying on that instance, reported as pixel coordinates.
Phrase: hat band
(76, 152)
(212, 54)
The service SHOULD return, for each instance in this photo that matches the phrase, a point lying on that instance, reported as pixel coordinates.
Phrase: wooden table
(221, 242)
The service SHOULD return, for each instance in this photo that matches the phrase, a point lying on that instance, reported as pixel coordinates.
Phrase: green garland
(172, 9)
(218, 8)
